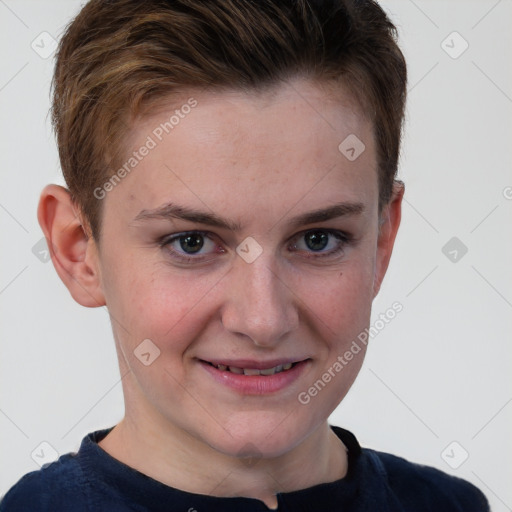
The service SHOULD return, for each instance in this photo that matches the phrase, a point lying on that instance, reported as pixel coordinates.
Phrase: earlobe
(73, 252)
(389, 223)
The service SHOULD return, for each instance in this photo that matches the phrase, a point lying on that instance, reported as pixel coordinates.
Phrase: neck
(175, 458)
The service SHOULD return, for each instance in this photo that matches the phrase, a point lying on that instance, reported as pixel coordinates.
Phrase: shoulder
(424, 488)
(56, 486)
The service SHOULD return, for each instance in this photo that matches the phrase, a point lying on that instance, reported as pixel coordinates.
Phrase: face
(244, 245)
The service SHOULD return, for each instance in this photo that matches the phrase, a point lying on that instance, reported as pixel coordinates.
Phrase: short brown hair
(117, 57)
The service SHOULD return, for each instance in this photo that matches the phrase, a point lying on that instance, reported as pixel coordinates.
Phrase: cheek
(340, 301)
(340, 309)
(161, 304)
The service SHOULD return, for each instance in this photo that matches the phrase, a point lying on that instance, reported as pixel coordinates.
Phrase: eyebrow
(174, 211)
(331, 212)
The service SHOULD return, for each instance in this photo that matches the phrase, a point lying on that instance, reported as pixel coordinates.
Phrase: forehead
(293, 143)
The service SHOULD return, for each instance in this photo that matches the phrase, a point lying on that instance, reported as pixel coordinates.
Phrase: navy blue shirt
(92, 480)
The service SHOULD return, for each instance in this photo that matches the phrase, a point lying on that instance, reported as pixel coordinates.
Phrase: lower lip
(257, 384)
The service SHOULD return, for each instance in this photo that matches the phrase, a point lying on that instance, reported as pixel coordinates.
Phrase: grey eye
(191, 243)
(316, 240)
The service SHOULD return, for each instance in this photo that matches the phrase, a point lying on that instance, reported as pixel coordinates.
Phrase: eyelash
(166, 241)
(343, 238)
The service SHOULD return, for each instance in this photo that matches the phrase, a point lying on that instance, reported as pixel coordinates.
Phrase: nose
(259, 304)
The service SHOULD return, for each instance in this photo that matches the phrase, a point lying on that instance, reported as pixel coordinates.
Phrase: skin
(259, 161)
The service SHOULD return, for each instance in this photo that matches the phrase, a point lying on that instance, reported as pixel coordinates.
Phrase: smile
(250, 377)
(254, 371)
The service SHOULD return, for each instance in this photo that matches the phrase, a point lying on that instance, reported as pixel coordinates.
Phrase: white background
(438, 373)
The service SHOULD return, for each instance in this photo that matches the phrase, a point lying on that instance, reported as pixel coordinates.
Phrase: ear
(74, 253)
(388, 227)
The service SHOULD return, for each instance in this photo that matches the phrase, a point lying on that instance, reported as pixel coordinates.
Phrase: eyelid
(343, 238)
(166, 240)
(343, 235)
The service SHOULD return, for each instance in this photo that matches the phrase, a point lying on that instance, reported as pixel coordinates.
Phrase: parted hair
(119, 58)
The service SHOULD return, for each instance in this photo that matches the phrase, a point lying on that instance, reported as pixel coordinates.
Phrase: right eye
(190, 246)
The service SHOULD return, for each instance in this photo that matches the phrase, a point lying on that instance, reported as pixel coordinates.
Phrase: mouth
(256, 377)
(267, 372)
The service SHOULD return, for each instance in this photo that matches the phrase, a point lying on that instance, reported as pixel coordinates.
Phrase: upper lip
(254, 364)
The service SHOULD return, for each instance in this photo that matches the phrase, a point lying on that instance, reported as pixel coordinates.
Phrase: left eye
(320, 241)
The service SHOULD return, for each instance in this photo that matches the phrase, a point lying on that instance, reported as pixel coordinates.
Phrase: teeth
(254, 371)
(249, 371)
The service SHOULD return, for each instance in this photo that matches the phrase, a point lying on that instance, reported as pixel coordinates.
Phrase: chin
(257, 434)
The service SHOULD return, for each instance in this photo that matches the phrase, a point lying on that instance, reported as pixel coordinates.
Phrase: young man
(232, 201)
